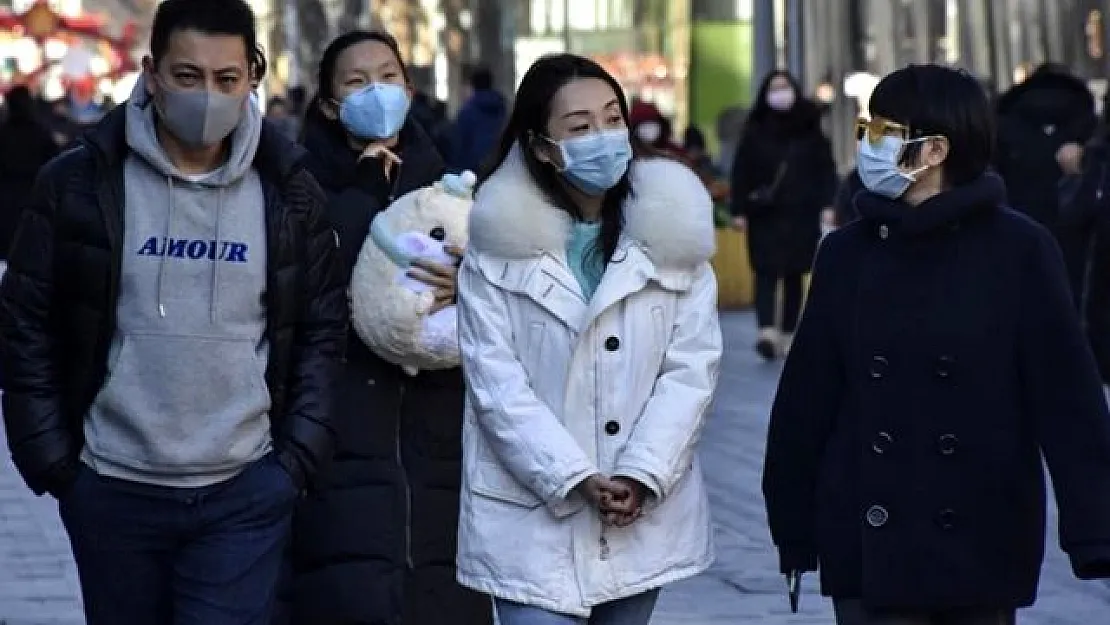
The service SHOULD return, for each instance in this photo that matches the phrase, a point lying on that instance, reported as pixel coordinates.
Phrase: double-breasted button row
(880, 365)
(878, 516)
(946, 443)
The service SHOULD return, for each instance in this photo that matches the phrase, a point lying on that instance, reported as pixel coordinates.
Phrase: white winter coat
(560, 388)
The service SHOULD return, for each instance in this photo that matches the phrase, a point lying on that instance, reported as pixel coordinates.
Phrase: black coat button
(947, 444)
(883, 441)
(946, 519)
(612, 343)
(879, 366)
(877, 516)
(944, 367)
(612, 428)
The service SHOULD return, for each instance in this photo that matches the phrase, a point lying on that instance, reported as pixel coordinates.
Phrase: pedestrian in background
(1051, 112)
(588, 381)
(1086, 212)
(783, 179)
(25, 146)
(171, 330)
(375, 543)
(278, 114)
(479, 123)
(938, 360)
(654, 130)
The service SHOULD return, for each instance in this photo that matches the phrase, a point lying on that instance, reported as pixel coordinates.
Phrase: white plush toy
(390, 310)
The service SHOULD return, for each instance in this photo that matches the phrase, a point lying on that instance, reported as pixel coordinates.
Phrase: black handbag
(762, 199)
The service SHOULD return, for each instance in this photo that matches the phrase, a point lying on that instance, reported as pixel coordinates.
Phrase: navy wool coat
(939, 357)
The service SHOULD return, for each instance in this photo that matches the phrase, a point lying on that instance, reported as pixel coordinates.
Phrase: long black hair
(325, 74)
(528, 122)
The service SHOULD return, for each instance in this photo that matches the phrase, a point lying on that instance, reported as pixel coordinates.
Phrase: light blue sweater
(584, 256)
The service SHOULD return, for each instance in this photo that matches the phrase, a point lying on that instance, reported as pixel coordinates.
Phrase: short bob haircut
(937, 100)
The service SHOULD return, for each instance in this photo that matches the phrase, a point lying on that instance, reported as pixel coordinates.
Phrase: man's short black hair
(936, 100)
(211, 17)
(481, 79)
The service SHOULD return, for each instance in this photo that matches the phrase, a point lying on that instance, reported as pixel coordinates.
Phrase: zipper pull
(604, 548)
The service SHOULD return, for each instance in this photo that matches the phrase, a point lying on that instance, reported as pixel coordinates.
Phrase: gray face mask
(199, 118)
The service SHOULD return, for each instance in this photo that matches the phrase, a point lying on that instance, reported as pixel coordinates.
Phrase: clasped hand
(442, 278)
(620, 500)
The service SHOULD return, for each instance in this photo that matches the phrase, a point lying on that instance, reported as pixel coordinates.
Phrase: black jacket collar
(946, 210)
(335, 164)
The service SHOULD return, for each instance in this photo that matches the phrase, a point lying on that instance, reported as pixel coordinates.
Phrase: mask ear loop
(562, 152)
(913, 174)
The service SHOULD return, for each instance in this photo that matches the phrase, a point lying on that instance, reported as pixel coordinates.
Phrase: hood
(1048, 97)
(142, 138)
(669, 214)
(488, 102)
(643, 112)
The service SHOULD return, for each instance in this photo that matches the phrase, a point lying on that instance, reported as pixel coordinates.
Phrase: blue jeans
(154, 555)
(635, 610)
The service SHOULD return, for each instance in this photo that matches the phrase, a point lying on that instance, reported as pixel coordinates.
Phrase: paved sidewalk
(38, 583)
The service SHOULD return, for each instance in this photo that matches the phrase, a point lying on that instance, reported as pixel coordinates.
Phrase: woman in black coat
(939, 357)
(375, 544)
(782, 179)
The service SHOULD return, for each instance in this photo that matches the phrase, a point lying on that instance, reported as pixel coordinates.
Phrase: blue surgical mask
(595, 163)
(377, 111)
(878, 168)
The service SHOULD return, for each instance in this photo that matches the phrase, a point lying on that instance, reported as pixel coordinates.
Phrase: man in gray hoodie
(171, 328)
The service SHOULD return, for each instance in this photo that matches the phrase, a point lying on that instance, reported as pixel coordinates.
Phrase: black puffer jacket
(789, 153)
(58, 306)
(1035, 119)
(375, 544)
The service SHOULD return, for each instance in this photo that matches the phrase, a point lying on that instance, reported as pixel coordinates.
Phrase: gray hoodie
(185, 401)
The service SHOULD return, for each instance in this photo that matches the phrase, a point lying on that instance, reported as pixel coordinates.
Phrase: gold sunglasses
(876, 128)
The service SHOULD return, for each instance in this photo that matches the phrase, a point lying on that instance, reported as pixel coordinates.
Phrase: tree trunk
(351, 18)
(315, 35)
(495, 22)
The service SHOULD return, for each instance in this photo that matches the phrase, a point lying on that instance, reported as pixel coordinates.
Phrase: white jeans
(635, 610)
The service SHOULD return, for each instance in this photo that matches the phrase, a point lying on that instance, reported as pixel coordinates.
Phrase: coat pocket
(489, 478)
(492, 481)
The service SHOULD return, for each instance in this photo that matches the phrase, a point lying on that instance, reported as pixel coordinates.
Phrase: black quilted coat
(375, 543)
(58, 306)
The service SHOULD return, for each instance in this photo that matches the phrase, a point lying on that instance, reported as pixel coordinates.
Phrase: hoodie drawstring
(165, 250)
(216, 258)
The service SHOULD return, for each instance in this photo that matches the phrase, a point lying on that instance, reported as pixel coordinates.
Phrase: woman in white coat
(591, 347)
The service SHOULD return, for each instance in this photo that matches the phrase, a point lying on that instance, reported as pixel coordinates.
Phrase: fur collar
(670, 215)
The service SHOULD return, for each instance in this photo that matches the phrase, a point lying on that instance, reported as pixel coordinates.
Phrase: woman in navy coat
(938, 359)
